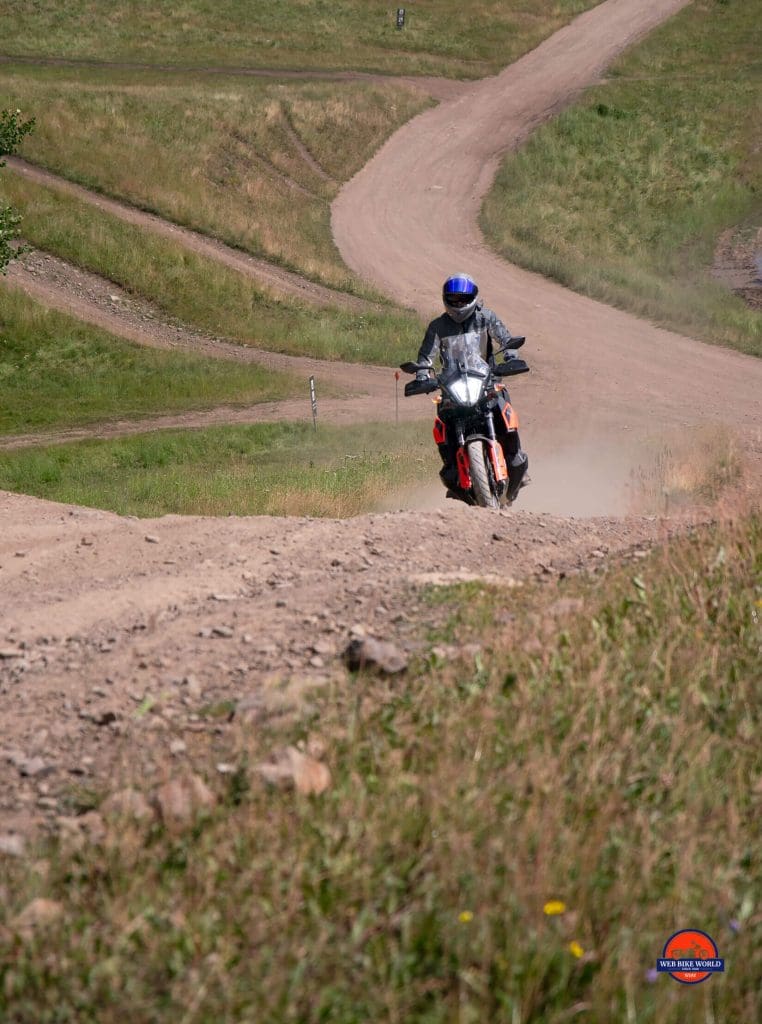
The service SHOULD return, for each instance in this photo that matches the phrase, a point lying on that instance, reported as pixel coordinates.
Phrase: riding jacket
(482, 319)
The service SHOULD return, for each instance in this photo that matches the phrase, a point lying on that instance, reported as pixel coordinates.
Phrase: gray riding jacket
(482, 319)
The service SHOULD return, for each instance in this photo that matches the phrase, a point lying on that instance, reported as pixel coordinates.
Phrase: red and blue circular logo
(690, 956)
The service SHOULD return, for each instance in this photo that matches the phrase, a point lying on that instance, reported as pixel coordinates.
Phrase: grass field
(267, 469)
(509, 837)
(623, 196)
(201, 292)
(255, 162)
(439, 38)
(58, 372)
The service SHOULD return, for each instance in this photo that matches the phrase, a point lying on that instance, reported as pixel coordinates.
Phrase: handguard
(420, 387)
(511, 368)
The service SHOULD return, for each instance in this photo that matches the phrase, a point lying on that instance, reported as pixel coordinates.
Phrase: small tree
(12, 131)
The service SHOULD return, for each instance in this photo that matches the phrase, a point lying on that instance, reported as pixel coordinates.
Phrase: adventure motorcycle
(471, 397)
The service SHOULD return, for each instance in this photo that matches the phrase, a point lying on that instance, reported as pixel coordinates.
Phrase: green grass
(199, 291)
(442, 38)
(58, 372)
(604, 758)
(623, 197)
(221, 155)
(267, 469)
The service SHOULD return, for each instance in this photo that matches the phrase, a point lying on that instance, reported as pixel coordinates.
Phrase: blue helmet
(459, 294)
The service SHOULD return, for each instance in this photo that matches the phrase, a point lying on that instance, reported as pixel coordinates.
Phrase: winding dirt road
(104, 617)
(599, 374)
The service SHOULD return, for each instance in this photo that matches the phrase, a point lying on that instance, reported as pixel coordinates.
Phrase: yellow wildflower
(465, 916)
(554, 907)
(575, 949)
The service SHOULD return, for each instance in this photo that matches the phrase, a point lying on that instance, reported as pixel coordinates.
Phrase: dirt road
(117, 634)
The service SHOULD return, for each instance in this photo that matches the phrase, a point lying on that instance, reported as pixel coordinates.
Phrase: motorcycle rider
(464, 313)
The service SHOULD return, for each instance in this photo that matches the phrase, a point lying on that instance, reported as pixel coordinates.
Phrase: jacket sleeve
(498, 332)
(426, 351)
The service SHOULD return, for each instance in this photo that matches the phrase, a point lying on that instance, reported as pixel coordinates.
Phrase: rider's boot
(517, 474)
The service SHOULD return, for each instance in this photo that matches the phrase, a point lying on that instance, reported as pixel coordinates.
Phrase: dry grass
(605, 758)
(689, 471)
(254, 162)
(442, 38)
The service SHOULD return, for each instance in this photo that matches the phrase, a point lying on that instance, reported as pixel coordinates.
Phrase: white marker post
(400, 17)
(313, 401)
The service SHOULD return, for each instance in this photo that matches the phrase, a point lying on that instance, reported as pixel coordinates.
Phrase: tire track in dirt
(278, 281)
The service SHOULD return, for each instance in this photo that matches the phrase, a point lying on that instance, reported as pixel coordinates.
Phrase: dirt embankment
(123, 640)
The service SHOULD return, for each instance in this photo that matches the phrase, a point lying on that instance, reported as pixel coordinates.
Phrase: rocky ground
(129, 645)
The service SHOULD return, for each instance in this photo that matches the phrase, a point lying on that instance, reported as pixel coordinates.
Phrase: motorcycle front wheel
(480, 476)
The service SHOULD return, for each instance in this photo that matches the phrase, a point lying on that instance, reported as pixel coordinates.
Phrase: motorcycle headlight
(466, 390)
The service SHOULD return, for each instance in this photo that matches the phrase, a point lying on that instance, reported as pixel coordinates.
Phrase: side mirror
(409, 367)
(518, 341)
(511, 369)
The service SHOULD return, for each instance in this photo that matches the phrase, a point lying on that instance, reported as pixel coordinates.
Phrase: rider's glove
(422, 375)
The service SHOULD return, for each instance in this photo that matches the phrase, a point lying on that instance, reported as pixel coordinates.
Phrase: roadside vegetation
(56, 372)
(255, 162)
(443, 38)
(12, 131)
(510, 836)
(201, 292)
(623, 196)
(265, 469)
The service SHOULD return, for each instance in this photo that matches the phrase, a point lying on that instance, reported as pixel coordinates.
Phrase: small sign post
(400, 17)
(396, 396)
(313, 401)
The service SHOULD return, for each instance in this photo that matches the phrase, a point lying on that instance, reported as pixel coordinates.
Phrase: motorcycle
(469, 401)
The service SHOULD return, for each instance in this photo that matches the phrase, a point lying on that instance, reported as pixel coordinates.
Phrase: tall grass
(58, 372)
(254, 162)
(510, 837)
(266, 469)
(442, 38)
(200, 292)
(623, 197)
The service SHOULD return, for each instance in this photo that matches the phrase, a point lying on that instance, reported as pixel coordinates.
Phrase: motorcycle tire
(480, 476)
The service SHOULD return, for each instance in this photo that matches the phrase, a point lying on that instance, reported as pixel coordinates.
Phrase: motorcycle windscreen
(464, 352)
